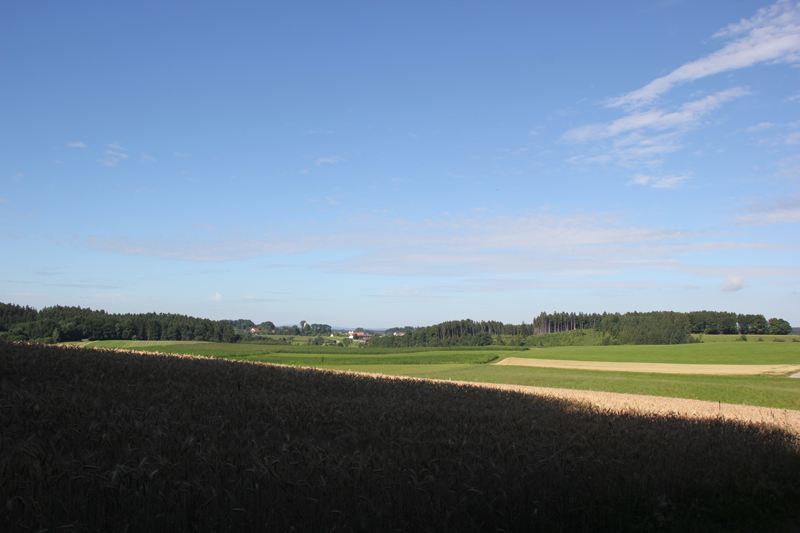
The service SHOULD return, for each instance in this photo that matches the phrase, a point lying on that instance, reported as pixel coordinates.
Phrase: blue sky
(385, 164)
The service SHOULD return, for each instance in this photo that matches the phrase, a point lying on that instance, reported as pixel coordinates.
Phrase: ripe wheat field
(108, 440)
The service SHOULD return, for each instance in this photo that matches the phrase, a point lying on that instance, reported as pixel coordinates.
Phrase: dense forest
(59, 324)
(663, 327)
(269, 328)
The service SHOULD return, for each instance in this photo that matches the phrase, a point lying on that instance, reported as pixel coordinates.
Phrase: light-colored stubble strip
(654, 368)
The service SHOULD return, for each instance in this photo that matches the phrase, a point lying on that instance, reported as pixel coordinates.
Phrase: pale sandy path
(785, 418)
(657, 368)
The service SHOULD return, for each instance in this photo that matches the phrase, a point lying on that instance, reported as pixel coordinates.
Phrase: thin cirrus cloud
(582, 245)
(789, 168)
(776, 211)
(761, 126)
(573, 261)
(76, 144)
(752, 272)
(444, 290)
(114, 155)
(662, 182)
(772, 35)
(646, 133)
(688, 115)
(112, 158)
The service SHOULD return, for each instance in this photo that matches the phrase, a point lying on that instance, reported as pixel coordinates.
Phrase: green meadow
(474, 365)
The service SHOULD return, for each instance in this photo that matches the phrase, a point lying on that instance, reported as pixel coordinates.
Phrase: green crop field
(350, 359)
(470, 364)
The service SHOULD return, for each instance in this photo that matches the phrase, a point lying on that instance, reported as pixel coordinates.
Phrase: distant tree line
(60, 324)
(452, 333)
(662, 327)
(269, 328)
(706, 322)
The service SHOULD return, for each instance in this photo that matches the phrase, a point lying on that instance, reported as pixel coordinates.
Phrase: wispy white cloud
(76, 144)
(113, 158)
(4, 201)
(732, 284)
(749, 271)
(688, 115)
(793, 138)
(114, 155)
(782, 283)
(761, 126)
(659, 182)
(328, 160)
(789, 168)
(405, 291)
(146, 158)
(539, 245)
(217, 296)
(646, 136)
(772, 35)
(445, 290)
(784, 210)
(18, 176)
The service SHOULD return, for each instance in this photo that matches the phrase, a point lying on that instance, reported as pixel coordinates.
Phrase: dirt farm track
(784, 418)
(656, 368)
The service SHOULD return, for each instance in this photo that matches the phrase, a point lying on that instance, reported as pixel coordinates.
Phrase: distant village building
(399, 333)
(255, 330)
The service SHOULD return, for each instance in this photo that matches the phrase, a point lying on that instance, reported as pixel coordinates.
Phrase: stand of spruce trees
(61, 324)
(661, 327)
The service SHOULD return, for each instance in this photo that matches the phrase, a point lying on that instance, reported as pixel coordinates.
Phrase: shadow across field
(104, 440)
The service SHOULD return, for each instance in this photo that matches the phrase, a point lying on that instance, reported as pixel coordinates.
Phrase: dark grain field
(101, 440)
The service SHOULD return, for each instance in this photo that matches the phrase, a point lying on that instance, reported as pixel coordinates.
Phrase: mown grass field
(118, 441)
(470, 365)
